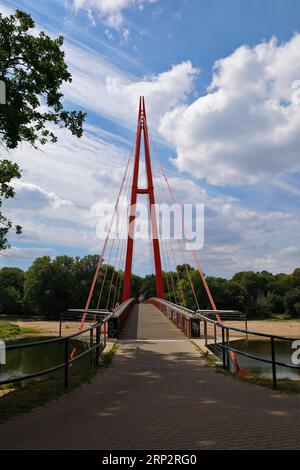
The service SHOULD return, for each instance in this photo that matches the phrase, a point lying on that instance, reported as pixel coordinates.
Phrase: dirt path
(159, 394)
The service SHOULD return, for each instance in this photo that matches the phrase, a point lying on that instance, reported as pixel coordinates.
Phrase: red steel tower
(142, 129)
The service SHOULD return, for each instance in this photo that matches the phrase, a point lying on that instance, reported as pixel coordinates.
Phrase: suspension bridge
(159, 392)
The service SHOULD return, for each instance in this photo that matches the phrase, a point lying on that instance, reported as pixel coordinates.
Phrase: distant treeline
(51, 286)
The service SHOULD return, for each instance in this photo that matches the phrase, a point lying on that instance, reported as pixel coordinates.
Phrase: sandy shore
(289, 328)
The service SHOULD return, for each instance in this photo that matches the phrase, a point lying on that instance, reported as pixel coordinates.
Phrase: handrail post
(105, 333)
(98, 344)
(59, 334)
(274, 378)
(223, 347)
(246, 326)
(227, 344)
(91, 345)
(205, 332)
(66, 363)
(215, 333)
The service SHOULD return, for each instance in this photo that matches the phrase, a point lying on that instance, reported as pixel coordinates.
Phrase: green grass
(11, 330)
(107, 358)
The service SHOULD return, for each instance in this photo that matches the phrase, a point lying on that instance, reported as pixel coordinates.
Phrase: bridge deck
(146, 322)
(159, 394)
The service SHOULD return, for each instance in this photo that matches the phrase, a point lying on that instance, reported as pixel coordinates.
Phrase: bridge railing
(184, 318)
(67, 359)
(70, 318)
(118, 319)
(220, 336)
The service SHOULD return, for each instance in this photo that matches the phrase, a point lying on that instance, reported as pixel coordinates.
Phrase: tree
(12, 277)
(34, 69)
(275, 303)
(11, 301)
(48, 285)
(291, 302)
(37, 291)
(295, 278)
(11, 291)
(280, 284)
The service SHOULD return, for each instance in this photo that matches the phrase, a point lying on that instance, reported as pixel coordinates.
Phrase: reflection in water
(262, 349)
(34, 359)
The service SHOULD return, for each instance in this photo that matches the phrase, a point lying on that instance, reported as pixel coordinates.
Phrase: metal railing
(73, 316)
(223, 344)
(67, 360)
(184, 318)
(119, 317)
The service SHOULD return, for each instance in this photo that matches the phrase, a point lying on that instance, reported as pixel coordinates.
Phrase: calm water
(34, 359)
(262, 349)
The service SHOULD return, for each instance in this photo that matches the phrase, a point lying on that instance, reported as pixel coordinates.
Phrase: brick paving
(159, 394)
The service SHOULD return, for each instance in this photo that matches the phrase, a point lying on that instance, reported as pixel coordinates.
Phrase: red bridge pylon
(142, 129)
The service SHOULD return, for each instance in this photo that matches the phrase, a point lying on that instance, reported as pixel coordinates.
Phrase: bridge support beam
(142, 129)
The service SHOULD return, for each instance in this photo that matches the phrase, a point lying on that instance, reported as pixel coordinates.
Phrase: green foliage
(291, 302)
(295, 278)
(8, 171)
(51, 286)
(34, 69)
(11, 291)
(275, 303)
(8, 330)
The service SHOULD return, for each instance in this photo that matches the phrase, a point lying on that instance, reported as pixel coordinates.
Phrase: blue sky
(218, 79)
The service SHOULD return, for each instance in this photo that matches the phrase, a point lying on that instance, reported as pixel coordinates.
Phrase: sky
(221, 80)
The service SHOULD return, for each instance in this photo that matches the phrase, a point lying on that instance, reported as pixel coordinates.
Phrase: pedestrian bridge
(159, 393)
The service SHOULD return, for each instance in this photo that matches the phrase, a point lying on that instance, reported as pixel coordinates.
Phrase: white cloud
(18, 255)
(246, 128)
(108, 91)
(32, 196)
(110, 10)
(238, 238)
(59, 186)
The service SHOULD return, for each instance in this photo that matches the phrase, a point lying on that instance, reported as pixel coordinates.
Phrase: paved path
(158, 394)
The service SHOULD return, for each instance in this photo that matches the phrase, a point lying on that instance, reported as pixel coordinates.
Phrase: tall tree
(33, 68)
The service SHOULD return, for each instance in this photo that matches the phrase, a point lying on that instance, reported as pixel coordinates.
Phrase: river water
(34, 359)
(262, 349)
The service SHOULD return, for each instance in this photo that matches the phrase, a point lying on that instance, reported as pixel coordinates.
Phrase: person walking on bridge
(141, 299)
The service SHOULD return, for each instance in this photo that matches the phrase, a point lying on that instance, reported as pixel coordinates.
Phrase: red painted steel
(142, 129)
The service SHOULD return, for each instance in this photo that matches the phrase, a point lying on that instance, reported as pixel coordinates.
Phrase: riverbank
(289, 328)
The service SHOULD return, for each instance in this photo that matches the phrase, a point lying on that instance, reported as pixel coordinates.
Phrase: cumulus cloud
(32, 196)
(16, 254)
(110, 92)
(246, 128)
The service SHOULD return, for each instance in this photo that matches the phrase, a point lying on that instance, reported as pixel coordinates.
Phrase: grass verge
(11, 330)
